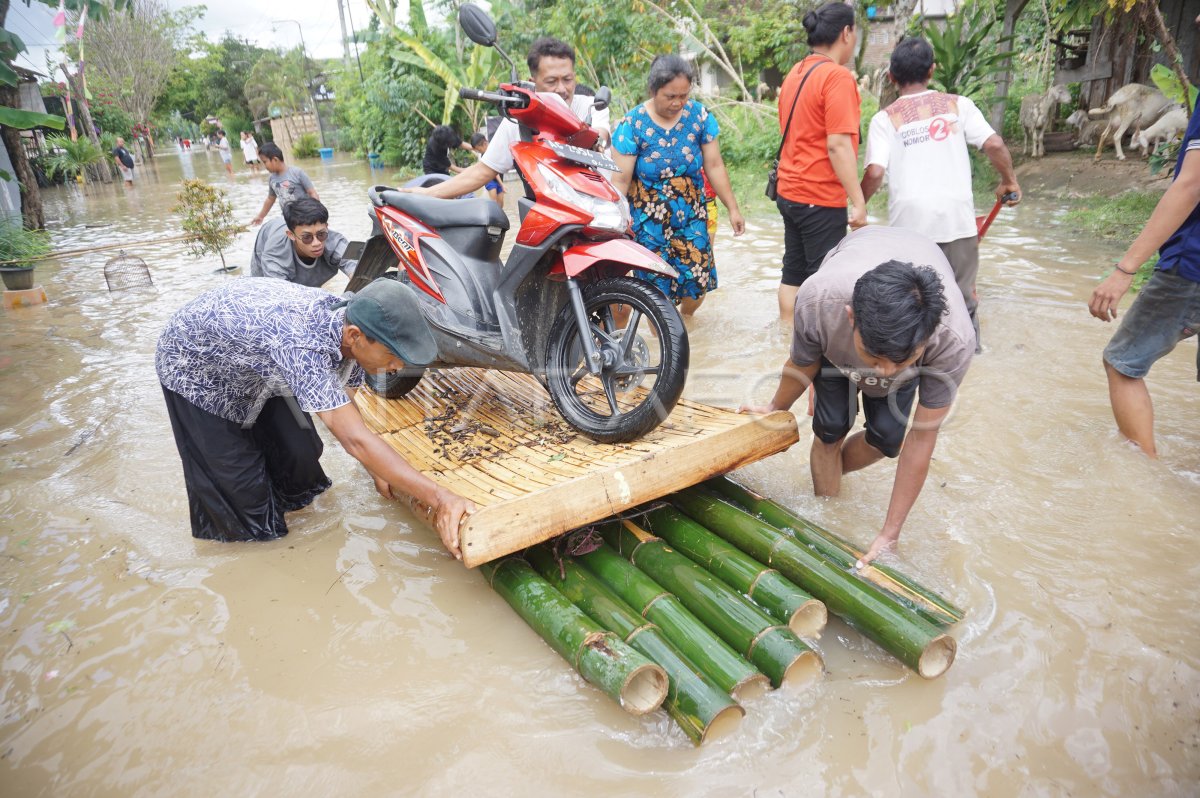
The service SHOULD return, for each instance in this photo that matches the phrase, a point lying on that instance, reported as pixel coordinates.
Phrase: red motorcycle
(549, 309)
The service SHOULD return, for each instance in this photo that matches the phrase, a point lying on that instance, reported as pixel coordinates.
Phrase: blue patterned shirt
(664, 154)
(232, 348)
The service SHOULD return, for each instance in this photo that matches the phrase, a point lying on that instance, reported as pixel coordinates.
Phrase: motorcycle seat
(481, 212)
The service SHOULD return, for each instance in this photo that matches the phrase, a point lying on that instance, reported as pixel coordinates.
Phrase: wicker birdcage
(126, 271)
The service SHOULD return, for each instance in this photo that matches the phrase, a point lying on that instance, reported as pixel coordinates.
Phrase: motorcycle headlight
(606, 214)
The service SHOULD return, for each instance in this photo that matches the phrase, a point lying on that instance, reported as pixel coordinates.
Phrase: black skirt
(242, 479)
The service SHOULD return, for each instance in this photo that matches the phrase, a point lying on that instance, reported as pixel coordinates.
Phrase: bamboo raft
(694, 593)
(496, 438)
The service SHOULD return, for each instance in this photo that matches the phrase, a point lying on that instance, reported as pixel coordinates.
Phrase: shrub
(69, 158)
(306, 145)
(749, 134)
(21, 245)
(208, 217)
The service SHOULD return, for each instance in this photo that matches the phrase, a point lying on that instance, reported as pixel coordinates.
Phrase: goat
(1035, 116)
(1168, 126)
(1132, 104)
(1089, 129)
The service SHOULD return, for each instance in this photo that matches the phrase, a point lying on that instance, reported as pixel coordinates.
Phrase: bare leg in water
(1132, 408)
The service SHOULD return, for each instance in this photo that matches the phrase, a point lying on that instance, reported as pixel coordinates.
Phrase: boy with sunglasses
(300, 247)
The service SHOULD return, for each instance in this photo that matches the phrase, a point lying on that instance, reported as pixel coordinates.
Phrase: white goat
(1035, 116)
(1131, 105)
(1169, 126)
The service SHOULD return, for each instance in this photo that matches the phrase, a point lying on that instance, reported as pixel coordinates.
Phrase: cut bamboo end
(937, 657)
(805, 669)
(644, 690)
(809, 619)
(754, 686)
(723, 723)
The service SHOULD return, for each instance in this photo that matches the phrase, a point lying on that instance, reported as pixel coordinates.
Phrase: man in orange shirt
(818, 168)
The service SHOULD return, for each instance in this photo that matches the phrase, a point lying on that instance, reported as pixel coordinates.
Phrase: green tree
(131, 55)
(209, 79)
(277, 82)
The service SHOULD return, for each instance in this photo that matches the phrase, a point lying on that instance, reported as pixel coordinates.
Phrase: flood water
(354, 657)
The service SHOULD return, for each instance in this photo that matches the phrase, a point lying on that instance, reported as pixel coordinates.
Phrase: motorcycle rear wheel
(642, 376)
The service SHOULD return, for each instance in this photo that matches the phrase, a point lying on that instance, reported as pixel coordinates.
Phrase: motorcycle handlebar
(496, 98)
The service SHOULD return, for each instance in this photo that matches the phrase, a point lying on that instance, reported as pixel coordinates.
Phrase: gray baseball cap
(390, 313)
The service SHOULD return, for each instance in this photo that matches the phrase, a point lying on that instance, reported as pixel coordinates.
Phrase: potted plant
(18, 249)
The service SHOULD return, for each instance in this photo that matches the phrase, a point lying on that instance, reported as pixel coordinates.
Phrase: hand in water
(885, 541)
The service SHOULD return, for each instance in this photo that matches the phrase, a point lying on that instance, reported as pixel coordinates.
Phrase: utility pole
(308, 78)
(345, 38)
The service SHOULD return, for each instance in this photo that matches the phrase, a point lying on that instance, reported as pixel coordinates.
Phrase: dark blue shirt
(1183, 247)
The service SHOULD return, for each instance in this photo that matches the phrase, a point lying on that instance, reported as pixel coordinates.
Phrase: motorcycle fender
(621, 254)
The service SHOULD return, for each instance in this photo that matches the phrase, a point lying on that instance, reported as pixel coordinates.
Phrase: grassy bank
(1118, 218)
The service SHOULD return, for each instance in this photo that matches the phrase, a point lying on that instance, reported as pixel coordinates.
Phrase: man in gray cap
(242, 367)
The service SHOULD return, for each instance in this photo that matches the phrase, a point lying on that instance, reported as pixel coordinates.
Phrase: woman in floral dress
(663, 147)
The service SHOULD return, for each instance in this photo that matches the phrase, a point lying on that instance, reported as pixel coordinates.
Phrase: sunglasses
(307, 238)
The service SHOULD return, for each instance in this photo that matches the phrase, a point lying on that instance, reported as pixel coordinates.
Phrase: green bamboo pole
(636, 683)
(906, 635)
(771, 590)
(935, 608)
(773, 649)
(705, 650)
(699, 707)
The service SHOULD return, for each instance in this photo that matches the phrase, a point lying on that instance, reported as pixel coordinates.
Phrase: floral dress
(666, 196)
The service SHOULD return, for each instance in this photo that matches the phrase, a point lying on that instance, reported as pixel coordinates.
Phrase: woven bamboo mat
(496, 438)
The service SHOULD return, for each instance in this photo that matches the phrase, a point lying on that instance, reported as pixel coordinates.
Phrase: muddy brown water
(353, 657)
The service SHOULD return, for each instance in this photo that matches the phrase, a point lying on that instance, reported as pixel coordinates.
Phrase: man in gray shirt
(876, 320)
(300, 247)
(285, 183)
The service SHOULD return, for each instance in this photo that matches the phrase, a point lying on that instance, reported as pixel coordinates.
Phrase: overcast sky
(245, 18)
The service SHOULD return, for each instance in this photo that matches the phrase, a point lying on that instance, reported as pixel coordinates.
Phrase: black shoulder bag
(773, 175)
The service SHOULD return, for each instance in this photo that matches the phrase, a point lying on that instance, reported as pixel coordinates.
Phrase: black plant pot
(17, 278)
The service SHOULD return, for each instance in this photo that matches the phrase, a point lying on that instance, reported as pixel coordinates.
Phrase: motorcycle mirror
(602, 99)
(478, 26)
(480, 29)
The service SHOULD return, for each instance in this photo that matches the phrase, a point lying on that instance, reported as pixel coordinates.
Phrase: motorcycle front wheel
(644, 361)
(394, 384)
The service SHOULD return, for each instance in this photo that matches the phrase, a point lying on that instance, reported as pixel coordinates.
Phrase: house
(881, 35)
(1107, 56)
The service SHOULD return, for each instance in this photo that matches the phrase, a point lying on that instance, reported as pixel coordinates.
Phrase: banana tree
(480, 71)
(967, 58)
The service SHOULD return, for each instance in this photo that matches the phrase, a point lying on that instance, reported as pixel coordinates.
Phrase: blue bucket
(326, 153)
(375, 160)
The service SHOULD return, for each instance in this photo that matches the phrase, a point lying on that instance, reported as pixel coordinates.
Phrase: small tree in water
(208, 218)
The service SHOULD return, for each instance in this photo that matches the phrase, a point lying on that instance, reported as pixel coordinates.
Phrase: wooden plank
(496, 439)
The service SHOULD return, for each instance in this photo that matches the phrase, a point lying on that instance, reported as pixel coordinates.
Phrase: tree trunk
(33, 217)
(902, 13)
(1154, 21)
(103, 171)
(1012, 10)
(32, 214)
